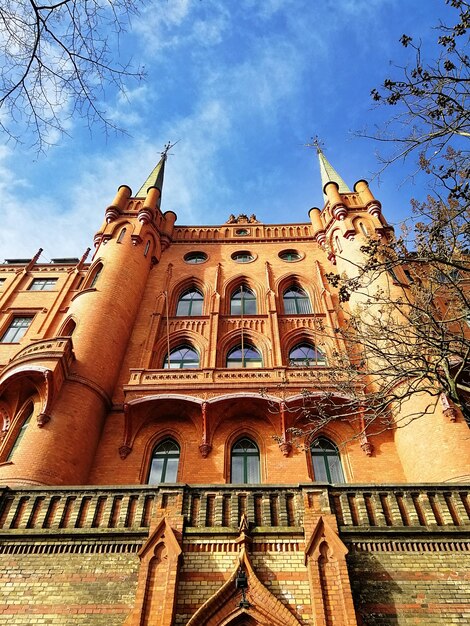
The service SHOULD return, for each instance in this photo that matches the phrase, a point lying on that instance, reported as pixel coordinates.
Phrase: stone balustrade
(54, 349)
(256, 377)
(123, 510)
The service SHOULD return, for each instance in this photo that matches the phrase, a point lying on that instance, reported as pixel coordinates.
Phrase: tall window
(164, 465)
(122, 234)
(248, 356)
(42, 284)
(243, 302)
(190, 303)
(326, 461)
(98, 271)
(306, 355)
(183, 357)
(20, 434)
(16, 330)
(245, 462)
(296, 301)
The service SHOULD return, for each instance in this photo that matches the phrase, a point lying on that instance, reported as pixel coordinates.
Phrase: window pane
(253, 469)
(171, 470)
(236, 307)
(319, 469)
(19, 437)
(237, 469)
(197, 307)
(250, 306)
(183, 357)
(304, 306)
(336, 471)
(16, 330)
(250, 357)
(326, 461)
(183, 307)
(289, 306)
(42, 284)
(156, 471)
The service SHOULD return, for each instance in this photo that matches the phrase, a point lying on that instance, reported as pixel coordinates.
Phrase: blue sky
(242, 85)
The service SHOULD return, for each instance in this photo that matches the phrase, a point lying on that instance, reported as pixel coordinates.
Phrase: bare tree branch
(57, 61)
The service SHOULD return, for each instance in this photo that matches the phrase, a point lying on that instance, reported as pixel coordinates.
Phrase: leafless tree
(406, 306)
(57, 60)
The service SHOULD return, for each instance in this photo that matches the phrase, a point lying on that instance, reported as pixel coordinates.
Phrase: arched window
(164, 464)
(183, 357)
(306, 355)
(98, 270)
(190, 303)
(296, 301)
(29, 412)
(326, 461)
(245, 462)
(67, 330)
(248, 356)
(122, 234)
(243, 302)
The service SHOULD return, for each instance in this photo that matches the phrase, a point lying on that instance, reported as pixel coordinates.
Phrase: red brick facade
(86, 399)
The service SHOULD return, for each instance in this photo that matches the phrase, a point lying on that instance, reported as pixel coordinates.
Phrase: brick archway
(222, 610)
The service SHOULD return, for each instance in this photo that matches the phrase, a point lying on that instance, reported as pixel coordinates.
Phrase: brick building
(146, 481)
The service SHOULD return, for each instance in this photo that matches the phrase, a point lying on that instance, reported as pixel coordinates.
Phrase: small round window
(290, 255)
(195, 257)
(242, 232)
(243, 256)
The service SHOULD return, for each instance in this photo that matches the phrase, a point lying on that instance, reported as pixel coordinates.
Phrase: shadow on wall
(374, 591)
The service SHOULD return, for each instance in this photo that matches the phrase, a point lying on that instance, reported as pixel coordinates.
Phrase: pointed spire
(327, 171)
(155, 178)
(329, 174)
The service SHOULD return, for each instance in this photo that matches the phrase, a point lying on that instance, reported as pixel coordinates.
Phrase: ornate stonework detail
(285, 447)
(42, 419)
(367, 447)
(112, 213)
(448, 409)
(242, 218)
(340, 212)
(374, 209)
(124, 451)
(205, 449)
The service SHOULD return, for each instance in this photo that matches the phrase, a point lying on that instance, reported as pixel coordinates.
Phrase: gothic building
(146, 480)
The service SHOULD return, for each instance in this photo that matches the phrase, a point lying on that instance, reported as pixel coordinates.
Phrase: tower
(152, 401)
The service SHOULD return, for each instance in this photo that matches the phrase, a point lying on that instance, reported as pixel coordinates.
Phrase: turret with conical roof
(104, 311)
(347, 215)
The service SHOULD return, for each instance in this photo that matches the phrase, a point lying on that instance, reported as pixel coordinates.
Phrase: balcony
(48, 352)
(155, 380)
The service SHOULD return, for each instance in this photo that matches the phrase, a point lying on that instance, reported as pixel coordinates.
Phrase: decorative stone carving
(124, 451)
(42, 419)
(205, 449)
(242, 218)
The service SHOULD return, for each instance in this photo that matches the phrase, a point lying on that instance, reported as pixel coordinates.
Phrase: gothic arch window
(296, 301)
(164, 463)
(26, 418)
(326, 461)
(243, 301)
(95, 276)
(247, 356)
(305, 354)
(182, 357)
(122, 234)
(190, 303)
(245, 465)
